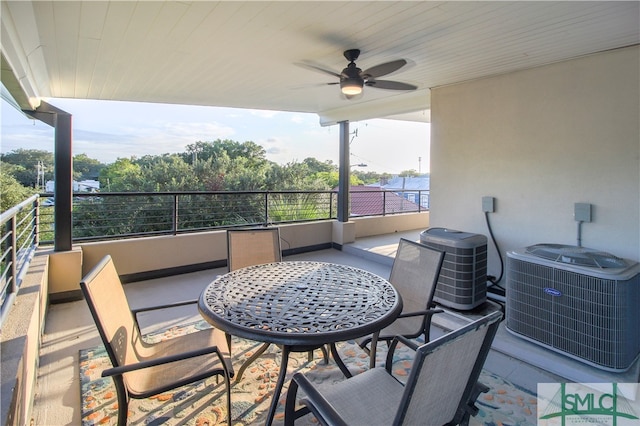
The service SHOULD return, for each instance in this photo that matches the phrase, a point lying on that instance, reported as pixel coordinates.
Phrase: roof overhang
(248, 54)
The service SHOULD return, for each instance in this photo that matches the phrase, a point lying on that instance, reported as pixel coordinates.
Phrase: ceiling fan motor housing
(350, 77)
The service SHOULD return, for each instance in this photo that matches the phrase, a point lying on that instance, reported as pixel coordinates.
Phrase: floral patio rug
(203, 403)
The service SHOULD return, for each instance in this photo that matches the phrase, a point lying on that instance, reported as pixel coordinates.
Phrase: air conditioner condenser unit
(463, 278)
(576, 301)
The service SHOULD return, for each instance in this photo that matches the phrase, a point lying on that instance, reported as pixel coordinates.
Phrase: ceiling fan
(353, 79)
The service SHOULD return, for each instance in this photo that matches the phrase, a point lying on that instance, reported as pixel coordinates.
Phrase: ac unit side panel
(463, 278)
(587, 317)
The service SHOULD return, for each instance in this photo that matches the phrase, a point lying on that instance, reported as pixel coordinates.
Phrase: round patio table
(301, 306)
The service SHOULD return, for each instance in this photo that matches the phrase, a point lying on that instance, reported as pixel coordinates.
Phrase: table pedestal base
(282, 374)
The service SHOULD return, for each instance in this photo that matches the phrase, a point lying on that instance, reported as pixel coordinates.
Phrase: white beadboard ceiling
(248, 54)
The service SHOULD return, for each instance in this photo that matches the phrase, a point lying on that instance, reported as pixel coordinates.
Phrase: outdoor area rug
(203, 403)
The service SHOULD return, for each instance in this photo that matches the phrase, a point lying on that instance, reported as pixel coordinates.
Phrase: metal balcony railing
(104, 216)
(18, 243)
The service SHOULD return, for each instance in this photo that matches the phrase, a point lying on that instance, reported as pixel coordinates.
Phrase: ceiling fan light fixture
(351, 87)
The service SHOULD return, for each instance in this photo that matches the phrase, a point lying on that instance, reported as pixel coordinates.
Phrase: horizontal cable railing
(18, 242)
(104, 216)
(101, 216)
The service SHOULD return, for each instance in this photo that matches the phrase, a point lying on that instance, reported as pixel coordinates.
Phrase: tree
(408, 173)
(85, 168)
(121, 176)
(316, 166)
(12, 191)
(168, 173)
(30, 160)
(203, 151)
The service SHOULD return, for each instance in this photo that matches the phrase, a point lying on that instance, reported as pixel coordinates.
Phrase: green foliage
(220, 165)
(27, 160)
(12, 192)
(121, 176)
(408, 173)
(332, 178)
(370, 177)
(85, 168)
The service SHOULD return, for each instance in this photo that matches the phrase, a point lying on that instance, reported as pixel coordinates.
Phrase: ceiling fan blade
(314, 67)
(390, 85)
(384, 69)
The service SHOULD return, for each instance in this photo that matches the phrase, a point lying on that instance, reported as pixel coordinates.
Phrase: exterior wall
(540, 141)
(20, 345)
(135, 255)
(139, 255)
(379, 225)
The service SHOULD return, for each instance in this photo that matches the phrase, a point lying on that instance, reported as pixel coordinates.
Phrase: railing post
(266, 208)
(384, 203)
(331, 205)
(175, 214)
(36, 222)
(13, 256)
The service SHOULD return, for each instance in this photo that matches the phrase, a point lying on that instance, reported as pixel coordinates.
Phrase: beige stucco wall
(379, 225)
(539, 141)
(20, 344)
(135, 255)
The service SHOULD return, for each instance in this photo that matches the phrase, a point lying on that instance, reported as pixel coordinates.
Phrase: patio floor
(70, 328)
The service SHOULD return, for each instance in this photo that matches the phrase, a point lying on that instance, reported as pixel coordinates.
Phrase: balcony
(163, 268)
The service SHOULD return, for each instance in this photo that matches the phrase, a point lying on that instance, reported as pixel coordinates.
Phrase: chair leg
(290, 405)
(123, 400)
(470, 409)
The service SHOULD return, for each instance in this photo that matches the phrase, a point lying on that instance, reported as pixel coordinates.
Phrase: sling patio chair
(414, 275)
(141, 369)
(440, 389)
(252, 246)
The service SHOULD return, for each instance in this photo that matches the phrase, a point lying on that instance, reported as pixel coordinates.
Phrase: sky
(108, 130)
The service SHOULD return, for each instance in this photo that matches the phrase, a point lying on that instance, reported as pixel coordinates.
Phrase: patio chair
(248, 247)
(140, 369)
(438, 390)
(414, 275)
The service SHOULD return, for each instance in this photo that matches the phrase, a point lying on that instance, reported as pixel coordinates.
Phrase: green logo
(580, 404)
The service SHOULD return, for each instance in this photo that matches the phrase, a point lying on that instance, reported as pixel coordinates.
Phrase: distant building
(371, 201)
(81, 186)
(414, 189)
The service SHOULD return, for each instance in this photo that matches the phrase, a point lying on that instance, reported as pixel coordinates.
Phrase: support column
(344, 169)
(63, 171)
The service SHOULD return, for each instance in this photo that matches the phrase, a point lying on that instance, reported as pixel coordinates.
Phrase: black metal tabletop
(300, 303)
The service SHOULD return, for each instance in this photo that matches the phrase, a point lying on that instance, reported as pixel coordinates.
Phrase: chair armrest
(317, 403)
(167, 306)
(118, 371)
(392, 347)
(420, 313)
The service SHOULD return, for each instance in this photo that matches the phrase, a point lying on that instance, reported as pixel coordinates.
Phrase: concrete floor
(70, 328)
